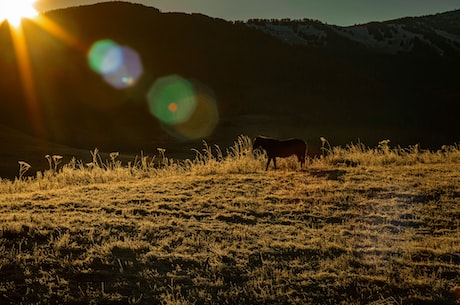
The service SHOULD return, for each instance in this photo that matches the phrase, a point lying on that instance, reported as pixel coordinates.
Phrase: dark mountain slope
(340, 88)
(430, 35)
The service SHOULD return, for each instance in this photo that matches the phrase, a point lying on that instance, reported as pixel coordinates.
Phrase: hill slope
(430, 35)
(219, 233)
(340, 89)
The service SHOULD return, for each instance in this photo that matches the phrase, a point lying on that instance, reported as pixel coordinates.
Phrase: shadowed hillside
(260, 84)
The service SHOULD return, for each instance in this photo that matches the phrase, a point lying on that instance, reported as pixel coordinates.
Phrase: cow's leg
(301, 160)
(268, 163)
(274, 161)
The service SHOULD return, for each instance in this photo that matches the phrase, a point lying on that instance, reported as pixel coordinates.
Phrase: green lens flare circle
(172, 99)
(105, 56)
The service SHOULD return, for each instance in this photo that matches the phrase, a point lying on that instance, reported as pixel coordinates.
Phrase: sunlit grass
(357, 225)
(240, 158)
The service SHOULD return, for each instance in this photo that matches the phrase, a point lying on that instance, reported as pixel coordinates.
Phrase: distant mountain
(398, 79)
(436, 34)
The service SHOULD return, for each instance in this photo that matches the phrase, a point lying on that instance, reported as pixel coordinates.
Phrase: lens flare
(105, 57)
(172, 107)
(187, 109)
(172, 99)
(128, 73)
(120, 66)
(201, 123)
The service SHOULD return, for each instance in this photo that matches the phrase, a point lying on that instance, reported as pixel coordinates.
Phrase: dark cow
(281, 148)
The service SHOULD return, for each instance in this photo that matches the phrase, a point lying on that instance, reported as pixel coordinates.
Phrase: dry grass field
(357, 226)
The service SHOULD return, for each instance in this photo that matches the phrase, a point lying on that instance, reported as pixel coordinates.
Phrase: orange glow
(56, 30)
(172, 107)
(25, 71)
(14, 13)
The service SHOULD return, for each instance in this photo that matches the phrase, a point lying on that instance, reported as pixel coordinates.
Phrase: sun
(14, 11)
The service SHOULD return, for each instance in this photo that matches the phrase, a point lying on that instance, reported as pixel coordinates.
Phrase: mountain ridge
(441, 32)
(261, 85)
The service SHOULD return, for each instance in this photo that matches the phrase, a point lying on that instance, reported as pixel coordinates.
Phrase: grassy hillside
(357, 226)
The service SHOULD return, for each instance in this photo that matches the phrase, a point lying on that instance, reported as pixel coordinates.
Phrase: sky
(337, 12)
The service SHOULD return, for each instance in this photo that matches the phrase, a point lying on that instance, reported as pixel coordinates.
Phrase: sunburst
(14, 11)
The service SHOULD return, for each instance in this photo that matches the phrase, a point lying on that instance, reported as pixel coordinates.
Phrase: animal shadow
(328, 174)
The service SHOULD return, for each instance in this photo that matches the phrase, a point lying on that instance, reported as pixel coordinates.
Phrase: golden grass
(358, 226)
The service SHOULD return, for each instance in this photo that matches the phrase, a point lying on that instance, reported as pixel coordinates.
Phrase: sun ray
(59, 32)
(26, 75)
(13, 12)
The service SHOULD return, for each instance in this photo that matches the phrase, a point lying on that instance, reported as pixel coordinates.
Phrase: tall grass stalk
(23, 168)
(239, 158)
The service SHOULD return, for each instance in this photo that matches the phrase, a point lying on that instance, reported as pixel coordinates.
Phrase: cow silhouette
(281, 148)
